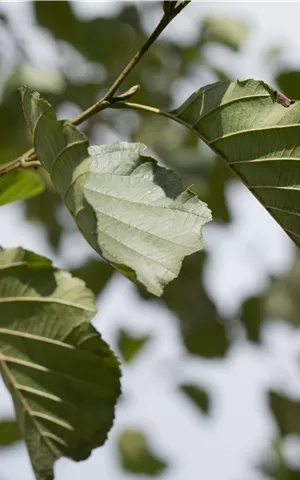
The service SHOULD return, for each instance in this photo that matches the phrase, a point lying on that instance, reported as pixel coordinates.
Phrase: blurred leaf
(280, 472)
(198, 396)
(47, 81)
(19, 185)
(215, 192)
(252, 316)
(95, 273)
(44, 211)
(289, 84)
(136, 455)
(202, 329)
(224, 30)
(282, 299)
(277, 467)
(9, 432)
(130, 345)
(286, 413)
(63, 378)
(126, 35)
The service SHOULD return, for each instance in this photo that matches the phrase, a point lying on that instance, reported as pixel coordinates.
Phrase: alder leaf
(226, 31)
(131, 211)
(9, 432)
(145, 220)
(137, 456)
(256, 130)
(63, 378)
(19, 185)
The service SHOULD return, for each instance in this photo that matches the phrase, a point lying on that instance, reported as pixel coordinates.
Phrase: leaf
(145, 221)
(19, 185)
(286, 413)
(130, 210)
(95, 273)
(136, 455)
(197, 395)
(227, 31)
(44, 211)
(62, 376)
(247, 124)
(289, 83)
(252, 317)
(130, 345)
(282, 299)
(202, 329)
(9, 433)
(280, 472)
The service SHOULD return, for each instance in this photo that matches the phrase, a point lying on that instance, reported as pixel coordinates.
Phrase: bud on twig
(126, 95)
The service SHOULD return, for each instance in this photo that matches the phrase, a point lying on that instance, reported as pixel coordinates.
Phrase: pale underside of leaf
(144, 219)
(259, 139)
(131, 211)
(63, 378)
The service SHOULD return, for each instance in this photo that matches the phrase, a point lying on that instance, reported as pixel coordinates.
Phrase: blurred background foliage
(83, 56)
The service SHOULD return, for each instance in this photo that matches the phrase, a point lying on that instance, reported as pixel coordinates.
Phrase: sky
(240, 428)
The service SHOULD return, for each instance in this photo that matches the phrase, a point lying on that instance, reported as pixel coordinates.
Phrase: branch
(164, 22)
(30, 159)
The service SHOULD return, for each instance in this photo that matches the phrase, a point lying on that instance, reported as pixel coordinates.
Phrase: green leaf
(131, 211)
(130, 345)
(44, 211)
(280, 472)
(19, 185)
(227, 31)
(62, 376)
(197, 395)
(256, 131)
(136, 455)
(95, 273)
(9, 433)
(289, 83)
(282, 299)
(145, 221)
(252, 317)
(286, 413)
(202, 329)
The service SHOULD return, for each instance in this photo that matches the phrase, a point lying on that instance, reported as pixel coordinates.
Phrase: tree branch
(30, 159)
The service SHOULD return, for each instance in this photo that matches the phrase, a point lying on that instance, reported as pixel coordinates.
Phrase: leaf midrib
(26, 407)
(46, 300)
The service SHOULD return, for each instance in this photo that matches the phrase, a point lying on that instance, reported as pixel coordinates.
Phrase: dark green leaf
(62, 376)
(256, 131)
(9, 432)
(44, 211)
(202, 329)
(252, 316)
(197, 395)
(289, 84)
(286, 413)
(130, 345)
(95, 273)
(136, 455)
(282, 299)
